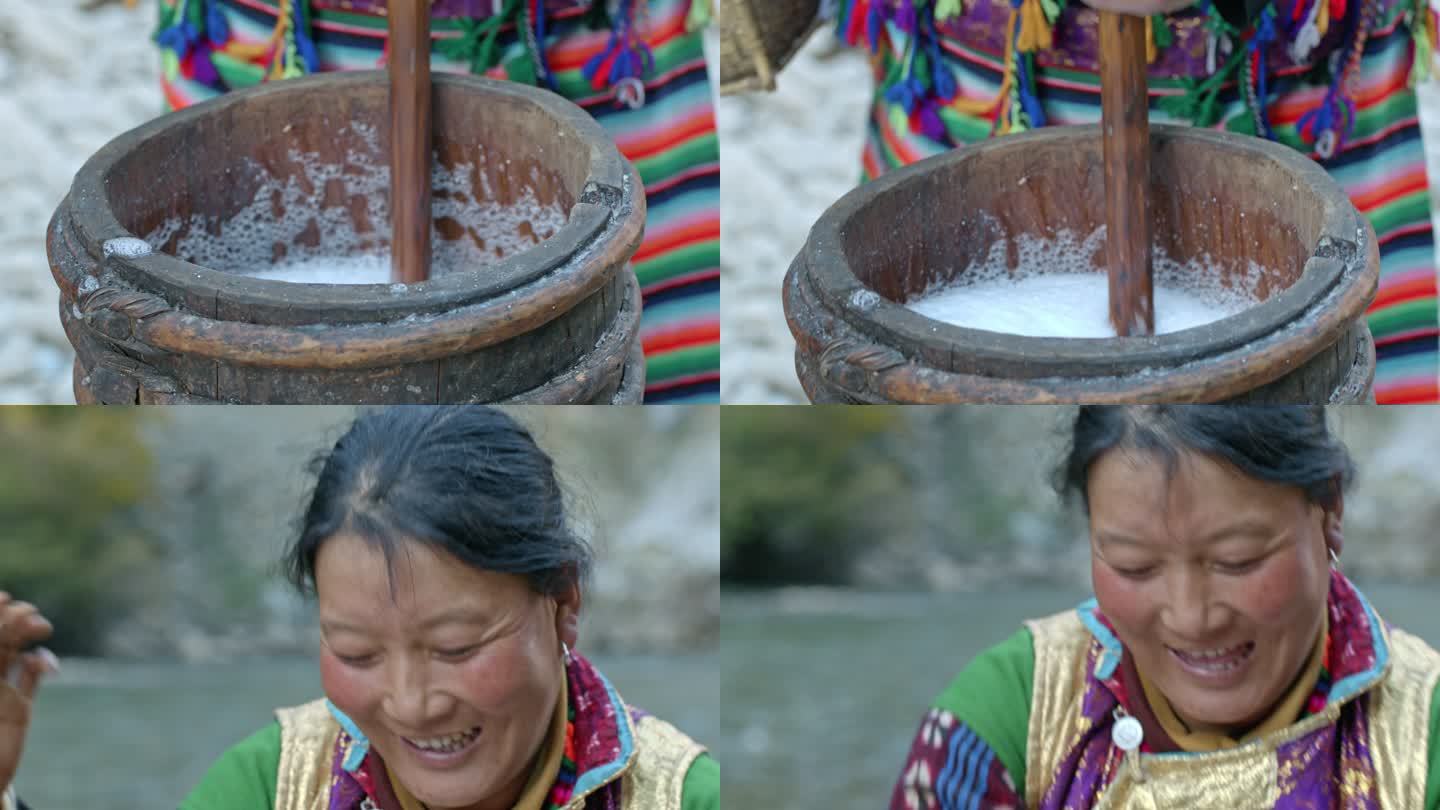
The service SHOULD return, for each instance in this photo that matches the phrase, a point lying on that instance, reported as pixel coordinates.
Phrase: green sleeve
(701, 790)
(992, 697)
(243, 778)
(1432, 777)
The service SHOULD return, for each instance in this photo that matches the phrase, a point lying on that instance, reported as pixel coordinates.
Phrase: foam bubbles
(127, 246)
(864, 299)
(1054, 291)
(337, 217)
(330, 270)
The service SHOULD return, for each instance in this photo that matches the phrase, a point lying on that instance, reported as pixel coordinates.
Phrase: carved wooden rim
(463, 311)
(608, 207)
(1345, 254)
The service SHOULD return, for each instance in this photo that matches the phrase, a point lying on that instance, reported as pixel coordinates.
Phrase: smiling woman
(1225, 660)
(450, 587)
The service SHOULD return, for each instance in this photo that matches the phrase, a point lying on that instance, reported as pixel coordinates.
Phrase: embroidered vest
(1380, 731)
(652, 779)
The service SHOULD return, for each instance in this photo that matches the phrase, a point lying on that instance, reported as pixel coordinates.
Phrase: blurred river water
(139, 736)
(823, 689)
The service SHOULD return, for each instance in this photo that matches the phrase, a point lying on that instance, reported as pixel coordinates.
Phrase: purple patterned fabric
(345, 791)
(1319, 770)
(985, 24)
(476, 9)
(1091, 763)
(597, 745)
(1308, 766)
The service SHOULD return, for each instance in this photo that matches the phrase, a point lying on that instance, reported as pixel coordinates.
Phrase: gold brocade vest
(653, 777)
(1247, 776)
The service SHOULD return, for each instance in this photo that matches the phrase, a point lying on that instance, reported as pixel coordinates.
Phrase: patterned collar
(1357, 658)
(601, 746)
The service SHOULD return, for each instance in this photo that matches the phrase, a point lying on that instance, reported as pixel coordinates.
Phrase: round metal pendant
(1127, 733)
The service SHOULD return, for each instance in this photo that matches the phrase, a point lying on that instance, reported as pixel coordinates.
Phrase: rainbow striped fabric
(946, 82)
(597, 56)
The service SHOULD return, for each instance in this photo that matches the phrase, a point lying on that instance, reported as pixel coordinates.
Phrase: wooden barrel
(1237, 199)
(300, 168)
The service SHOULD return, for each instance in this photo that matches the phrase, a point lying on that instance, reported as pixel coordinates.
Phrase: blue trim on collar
(1110, 659)
(1358, 682)
(1340, 690)
(360, 744)
(596, 777)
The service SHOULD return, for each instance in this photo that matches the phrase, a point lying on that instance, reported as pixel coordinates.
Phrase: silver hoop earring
(565, 648)
(1334, 559)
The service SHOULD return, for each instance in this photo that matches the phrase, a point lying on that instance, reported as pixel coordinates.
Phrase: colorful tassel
(1257, 70)
(479, 42)
(1025, 85)
(189, 33)
(625, 58)
(1330, 124)
(1034, 34)
(300, 33)
(1023, 110)
(1200, 103)
(178, 31)
(217, 28)
(921, 81)
(942, 80)
(874, 21)
(1036, 20)
(535, 31)
(1307, 35)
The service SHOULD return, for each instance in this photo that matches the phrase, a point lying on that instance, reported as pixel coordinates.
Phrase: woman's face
(453, 673)
(1216, 582)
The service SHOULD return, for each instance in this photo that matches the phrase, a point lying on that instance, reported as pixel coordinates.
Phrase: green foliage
(796, 483)
(820, 495)
(71, 480)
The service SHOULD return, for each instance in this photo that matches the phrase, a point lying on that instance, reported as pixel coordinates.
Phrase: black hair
(468, 480)
(1280, 444)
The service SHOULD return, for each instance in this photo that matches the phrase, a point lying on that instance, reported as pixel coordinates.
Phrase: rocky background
(73, 75)
(150, 533)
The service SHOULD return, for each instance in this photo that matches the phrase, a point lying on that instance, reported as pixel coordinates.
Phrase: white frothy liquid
(289, 231)
(1049, 295)
(1070, 305)
(330, 270)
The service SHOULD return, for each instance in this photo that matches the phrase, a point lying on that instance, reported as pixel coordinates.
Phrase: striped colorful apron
(637, 66)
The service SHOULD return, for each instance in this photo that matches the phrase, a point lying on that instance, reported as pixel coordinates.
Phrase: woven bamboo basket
(757, 38)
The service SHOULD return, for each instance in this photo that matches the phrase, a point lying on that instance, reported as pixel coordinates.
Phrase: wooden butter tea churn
(540, 307)
(1236, 199)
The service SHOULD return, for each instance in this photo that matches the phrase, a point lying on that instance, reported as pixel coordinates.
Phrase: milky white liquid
(1069, 305)
(320, 242)
(1053, 290)
(330, 270)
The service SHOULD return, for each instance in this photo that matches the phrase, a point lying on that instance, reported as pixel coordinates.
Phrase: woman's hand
(20, 626)
(1140, 8)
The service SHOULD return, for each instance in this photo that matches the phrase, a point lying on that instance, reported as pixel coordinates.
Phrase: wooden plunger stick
(409, 25)
(1124, 114)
